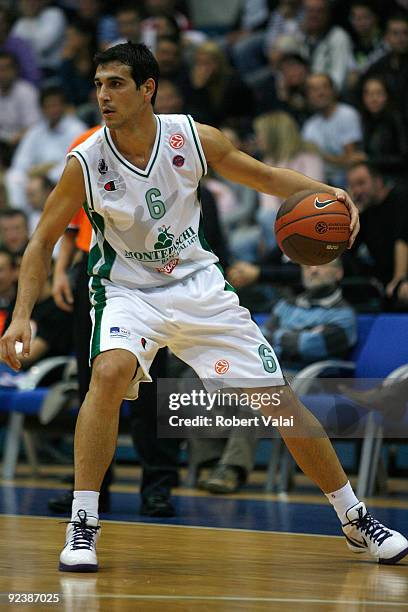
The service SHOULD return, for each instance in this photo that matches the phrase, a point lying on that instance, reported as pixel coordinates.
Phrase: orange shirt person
(77, 237)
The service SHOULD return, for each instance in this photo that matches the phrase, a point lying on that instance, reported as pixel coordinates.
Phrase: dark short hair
(8, 213)
(368, 4)
(49, 92)
(397, 17)
(138, 57)
(372, 168)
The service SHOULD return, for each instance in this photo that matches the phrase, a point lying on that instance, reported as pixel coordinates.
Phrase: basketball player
(154, 282)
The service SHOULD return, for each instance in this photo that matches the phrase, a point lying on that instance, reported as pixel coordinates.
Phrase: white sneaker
(365, 534)
(79, 552)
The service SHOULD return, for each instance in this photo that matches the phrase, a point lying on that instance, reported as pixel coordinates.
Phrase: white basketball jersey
(147, 227)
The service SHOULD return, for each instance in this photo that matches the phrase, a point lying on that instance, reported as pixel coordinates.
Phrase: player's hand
(343, 196)
(243, 273)
(61, 292)
(19, 331)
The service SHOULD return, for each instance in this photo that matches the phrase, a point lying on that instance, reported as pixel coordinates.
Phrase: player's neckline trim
(155, 151)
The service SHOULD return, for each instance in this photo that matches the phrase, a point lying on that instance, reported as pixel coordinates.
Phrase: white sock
(85, 500)
(342, 500)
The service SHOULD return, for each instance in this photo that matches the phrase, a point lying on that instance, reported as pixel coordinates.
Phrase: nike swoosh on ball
(319, 204)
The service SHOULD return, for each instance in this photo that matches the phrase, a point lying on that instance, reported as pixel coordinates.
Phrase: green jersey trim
(198, 145)
(143, 173)
(101, 252)
(98, 299)
(206, 247)
(88, 176)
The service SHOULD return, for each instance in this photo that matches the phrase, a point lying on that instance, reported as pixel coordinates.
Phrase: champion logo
(176, 141)
(110, 186)
(143, 342)
(221, 366)
(323, 204)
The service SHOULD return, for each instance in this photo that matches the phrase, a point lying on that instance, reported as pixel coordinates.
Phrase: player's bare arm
(63, 202)
(237, 166)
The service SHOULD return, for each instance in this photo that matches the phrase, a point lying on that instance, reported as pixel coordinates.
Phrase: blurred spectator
(8, 286)
(103, 27)
(38, 189)
(169, 98)
(368, 43)
(20, 48)
(236, 203)
(217, 94)
(335, 128)
(51, 330)
(328, 46)
(286, 19)
(169, 54)
(384, 137)
(168, 8)
(282, 84)
(77, 71)
(393, 67)
(43, 26)
(4, 203)
(19, 108)
(14, 234)
(317, 324)
(127, 18)
(384, 224)
(281, 145)
(44, 146)
(251, 51)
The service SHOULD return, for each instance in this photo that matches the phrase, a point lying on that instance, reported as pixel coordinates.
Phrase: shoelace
(83, 535)
(371, 527)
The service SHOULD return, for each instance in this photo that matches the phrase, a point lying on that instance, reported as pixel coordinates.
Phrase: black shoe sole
(395, 559)
(77, 568)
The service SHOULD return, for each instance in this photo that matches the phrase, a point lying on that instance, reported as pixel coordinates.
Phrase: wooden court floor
(152, 568)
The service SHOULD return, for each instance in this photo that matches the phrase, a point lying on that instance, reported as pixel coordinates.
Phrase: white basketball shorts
(199, 319)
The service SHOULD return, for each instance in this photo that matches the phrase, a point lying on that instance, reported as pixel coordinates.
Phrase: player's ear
(149, 87)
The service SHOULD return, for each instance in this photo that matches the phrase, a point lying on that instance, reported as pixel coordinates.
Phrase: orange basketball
(312, 228)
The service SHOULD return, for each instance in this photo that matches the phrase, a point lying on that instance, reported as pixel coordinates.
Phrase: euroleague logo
(321, 227)
(176, 141)
(221, 366)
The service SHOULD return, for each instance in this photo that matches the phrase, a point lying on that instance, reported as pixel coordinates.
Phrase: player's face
(118, 97)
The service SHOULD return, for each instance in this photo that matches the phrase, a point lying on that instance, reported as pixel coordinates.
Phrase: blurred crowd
(318, 86)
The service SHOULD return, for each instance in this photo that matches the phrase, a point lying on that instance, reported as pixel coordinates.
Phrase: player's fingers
(9, 353)
(354, 216)
(26, 339)
(355, 225)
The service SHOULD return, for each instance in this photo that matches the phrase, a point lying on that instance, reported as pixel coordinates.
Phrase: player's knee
(113, 373)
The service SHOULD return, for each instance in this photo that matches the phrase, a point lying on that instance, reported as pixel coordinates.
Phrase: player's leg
(95, 440)
(306, 440)
(226, 335)
(314, 454)
(98, 420)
